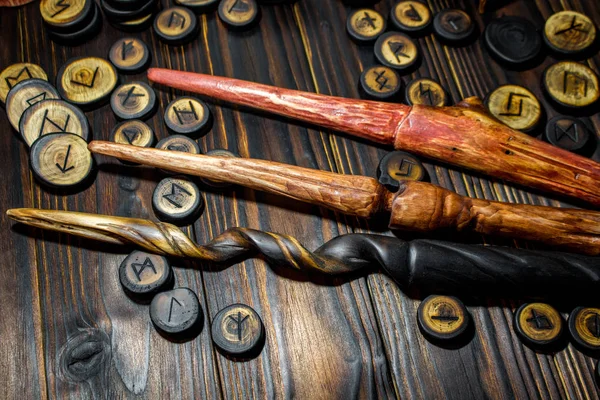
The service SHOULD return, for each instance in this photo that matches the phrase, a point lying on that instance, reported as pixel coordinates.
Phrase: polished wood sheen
(341, 337)
(438, 133)
(418, 206)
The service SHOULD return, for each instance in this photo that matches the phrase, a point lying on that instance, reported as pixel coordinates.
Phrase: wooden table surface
(325, 338)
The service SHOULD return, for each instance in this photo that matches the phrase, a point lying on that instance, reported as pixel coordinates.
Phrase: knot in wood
(84, 356)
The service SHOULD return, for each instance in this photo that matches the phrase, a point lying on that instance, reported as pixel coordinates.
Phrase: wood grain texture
(329, 338)
(418, 206)
(463, 135)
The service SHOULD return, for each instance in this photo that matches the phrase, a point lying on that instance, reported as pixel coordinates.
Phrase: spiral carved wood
(427, 265)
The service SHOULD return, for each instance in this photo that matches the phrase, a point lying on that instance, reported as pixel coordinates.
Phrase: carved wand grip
(417, 206)
(465, 135)
(420, 206)
(427, 265)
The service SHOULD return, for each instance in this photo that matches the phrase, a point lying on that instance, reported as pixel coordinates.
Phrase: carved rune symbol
(425, 92)
(12, 80)
(146, 264)
(239, 6)
(177, 195)
(575, 26)
(594, 325)
(177, 147)
(572, 132)
(444, 318)
(397, 48)
(413, 14)
(577, 81)
(84, 79)
(63, 4)
(540, 320)
(36, 99)
(453, 22)
(239, 323)
(382, 80)
(405, 168)
(130, 134)
(509, 105)
(183, 115)
(126, 47)
(126, 96)
(176, 19)
(366, 20)
(173, 300)
(63, 168)
(60, 128)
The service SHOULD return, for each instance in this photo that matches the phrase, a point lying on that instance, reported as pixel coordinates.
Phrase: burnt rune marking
(575, 26)
(60, 128)
(82, 75)
(413, 14)
(60, 3)
(36, 99)
(173, 300)
(405, 168)
(130, 134)
(367, 20)
(63, 168)
(540, 320)
(427, 92)
(239, 323)
(572, 132)
(12, 80)
(397, 48)
(175, 197)
(239, 6)
(509, 105)
(577, 80)
(176, 19)
(382, 80)
(126, 96)
(183, 115)
(126, 47)
(146, 264)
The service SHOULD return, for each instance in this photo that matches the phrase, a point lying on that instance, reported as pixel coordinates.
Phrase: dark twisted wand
(427, 265)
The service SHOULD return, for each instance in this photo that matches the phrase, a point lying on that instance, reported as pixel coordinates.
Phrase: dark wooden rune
(69, 331)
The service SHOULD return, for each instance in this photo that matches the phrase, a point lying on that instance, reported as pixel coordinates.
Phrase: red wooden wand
(464, 135)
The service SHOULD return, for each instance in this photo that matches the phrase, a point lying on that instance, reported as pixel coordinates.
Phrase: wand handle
(420, 206)
(464, 135)
(427, 265)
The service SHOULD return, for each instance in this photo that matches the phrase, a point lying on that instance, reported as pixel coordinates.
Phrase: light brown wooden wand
(417, 206)
(464, 135)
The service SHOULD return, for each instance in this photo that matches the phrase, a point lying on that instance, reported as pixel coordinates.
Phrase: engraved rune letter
(509, 103)
(176, 19)
(12, 80)
(126, 48)
(397, 48)
(176, 195)
(382, 80)
(577, 82)
(126, 96)
(183, 115)
(405, 168)
(146, 264)
(239, 6)
(173, 300)
(60, 128)
(239, 323)
(540, 320)
(63, 5)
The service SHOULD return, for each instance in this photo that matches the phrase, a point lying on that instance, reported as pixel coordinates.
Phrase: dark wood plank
(347, 337)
